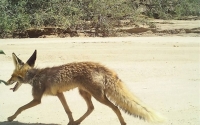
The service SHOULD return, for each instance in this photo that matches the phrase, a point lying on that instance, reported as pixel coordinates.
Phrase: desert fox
(92, 80)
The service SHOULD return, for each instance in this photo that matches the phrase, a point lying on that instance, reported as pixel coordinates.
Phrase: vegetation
(173, 9)
(1, 52)
(17, 16)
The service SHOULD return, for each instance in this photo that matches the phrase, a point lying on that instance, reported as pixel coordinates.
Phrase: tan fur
(92, 80)
(131, 104)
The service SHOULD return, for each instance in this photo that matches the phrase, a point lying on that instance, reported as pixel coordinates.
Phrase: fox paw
(73, 123)
(11, 118)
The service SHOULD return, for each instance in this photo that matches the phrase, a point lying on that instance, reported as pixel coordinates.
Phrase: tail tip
(161, 120)
(157, 118)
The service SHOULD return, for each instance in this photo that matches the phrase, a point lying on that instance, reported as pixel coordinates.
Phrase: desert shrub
(173, 9)
(187, 8)
(13, 17)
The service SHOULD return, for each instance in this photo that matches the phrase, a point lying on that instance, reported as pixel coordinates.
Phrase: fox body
(92, 80)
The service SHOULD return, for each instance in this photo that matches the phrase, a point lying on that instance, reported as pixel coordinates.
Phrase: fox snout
(10, 82)
(17, 85)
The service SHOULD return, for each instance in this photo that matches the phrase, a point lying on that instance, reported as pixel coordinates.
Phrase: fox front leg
(29, 105)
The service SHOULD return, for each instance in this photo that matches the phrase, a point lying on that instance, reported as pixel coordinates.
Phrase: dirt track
(164, 72)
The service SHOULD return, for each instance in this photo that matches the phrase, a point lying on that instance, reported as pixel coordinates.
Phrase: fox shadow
(20, 123)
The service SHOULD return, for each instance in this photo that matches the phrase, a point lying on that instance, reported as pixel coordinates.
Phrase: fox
(92, 80)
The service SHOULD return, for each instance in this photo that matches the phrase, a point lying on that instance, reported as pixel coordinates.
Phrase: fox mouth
(16, 87)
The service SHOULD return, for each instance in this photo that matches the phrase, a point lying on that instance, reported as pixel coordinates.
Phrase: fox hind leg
(104, 100)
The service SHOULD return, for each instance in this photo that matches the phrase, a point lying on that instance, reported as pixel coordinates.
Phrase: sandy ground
(164, 72)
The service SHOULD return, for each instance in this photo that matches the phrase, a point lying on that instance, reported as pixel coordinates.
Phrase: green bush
(187, 8)
(173, 9)
(12, 17)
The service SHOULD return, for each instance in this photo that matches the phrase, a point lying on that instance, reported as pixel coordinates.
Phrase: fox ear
(17, 62)
(31, 60)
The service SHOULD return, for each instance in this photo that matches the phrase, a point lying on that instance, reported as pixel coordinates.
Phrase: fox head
(19, 74)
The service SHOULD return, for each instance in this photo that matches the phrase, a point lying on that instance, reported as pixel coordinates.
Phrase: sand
(164, 72)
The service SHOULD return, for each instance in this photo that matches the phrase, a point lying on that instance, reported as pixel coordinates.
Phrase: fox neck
(31, 73)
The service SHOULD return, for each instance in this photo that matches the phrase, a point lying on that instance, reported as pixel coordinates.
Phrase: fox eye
(20, 78)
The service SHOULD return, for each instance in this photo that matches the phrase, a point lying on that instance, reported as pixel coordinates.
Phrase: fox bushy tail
(119, 94)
